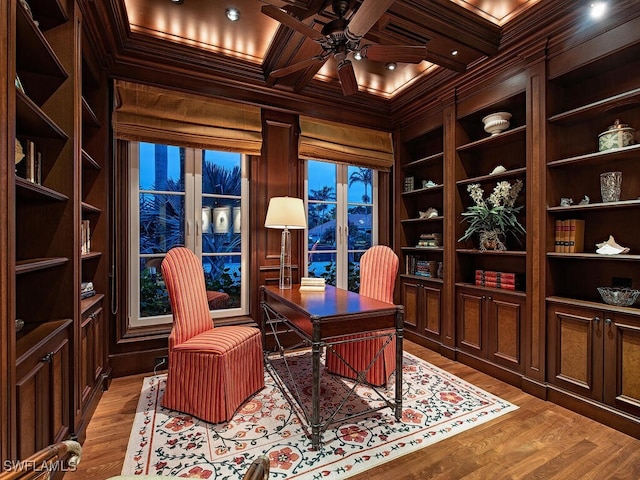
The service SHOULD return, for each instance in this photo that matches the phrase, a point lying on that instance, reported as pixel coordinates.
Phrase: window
(341, 201)
(190, 197)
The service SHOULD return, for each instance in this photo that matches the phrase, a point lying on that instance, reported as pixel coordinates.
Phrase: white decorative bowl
(496, 123)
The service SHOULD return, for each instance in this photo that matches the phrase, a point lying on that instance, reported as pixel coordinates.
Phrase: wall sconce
(285, 213)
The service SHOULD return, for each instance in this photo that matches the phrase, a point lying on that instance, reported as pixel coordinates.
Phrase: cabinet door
(42, 398)
(91, 352)
(432, 324)
(471, 325)
(575, 349)
(410, 294)
(505, 319)
(621, 362)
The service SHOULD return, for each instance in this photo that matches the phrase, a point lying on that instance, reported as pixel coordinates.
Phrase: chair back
(378, 271)
(184, 277)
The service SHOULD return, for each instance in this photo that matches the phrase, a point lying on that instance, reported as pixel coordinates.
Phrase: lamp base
(285, 260)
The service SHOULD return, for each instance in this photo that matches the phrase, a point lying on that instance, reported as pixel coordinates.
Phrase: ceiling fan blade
(347, 78)
(283, 72)
(367, 15)
(394, 53)
(292, 22)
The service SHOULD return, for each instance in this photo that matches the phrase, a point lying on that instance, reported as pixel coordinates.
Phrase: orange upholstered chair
(212, 371)
(378, 271)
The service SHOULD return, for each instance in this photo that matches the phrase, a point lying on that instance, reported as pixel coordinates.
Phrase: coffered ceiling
(199, 29)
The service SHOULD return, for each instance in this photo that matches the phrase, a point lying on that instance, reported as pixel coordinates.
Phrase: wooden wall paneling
(450, 227)
(7, 251)
(278, 172)
(534, 329)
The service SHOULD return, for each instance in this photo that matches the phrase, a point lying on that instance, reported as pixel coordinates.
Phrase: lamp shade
(286, 212)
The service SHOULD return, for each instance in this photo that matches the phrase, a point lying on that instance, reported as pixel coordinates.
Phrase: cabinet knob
(47, 358)
(596, 319)
(607, 321)
(484, 297)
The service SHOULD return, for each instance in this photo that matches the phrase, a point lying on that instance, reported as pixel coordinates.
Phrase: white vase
(496, 123)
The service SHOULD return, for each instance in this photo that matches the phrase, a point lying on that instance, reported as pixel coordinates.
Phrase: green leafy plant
(497, 213)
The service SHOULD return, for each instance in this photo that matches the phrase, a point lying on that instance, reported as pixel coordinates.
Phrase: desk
(323, 319)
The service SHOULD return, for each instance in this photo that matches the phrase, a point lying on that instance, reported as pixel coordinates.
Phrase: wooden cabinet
(420, 229)
(490, 324)
(43, 386)
(422, 307)
(60, 182)
(593, 352)
(593, 347)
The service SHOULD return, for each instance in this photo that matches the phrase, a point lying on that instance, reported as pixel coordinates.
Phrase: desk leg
(399, 356)
(315, 390)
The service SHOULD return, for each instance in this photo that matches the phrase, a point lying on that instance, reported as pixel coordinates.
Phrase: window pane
(360, 185)
(354, 271)
(322, 226)
(161, 222)
(360, 221)
(161, 167)
(322, 181)
(323, 265)
(221, 225)
(154, 299)
(221, 173)
(222, 274)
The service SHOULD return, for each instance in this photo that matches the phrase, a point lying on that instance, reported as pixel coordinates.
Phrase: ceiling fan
(341, 37)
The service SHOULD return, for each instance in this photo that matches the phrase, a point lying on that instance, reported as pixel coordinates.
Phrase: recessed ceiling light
(391, 66)
(232, 14)
(357, 55)
(598, 9)
(177, 2)
(454, 52)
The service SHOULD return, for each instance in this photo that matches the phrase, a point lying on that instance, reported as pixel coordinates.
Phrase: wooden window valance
(157, 115)
(324, 140)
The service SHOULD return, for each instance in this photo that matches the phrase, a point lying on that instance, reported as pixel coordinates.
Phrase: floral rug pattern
(436, 405)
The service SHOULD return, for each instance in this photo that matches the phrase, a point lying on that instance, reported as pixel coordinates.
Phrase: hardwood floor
(540, 440)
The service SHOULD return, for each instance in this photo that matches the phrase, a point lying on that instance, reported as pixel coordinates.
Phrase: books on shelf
(30, 167)
(423, 268)
(569, 236)
(312, 284)
(429, 240)
(85, 237)
(504, 280)
(409, 183)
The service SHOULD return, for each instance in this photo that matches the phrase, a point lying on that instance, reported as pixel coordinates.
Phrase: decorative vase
(491, 240)
(610, 183)
(496, 123)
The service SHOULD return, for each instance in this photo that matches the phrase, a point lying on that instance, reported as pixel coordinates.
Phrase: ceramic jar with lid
(617, 136)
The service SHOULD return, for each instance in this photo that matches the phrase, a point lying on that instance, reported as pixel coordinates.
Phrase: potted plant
(494, 218)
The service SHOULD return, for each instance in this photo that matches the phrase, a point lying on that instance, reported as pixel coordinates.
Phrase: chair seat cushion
(218, 340)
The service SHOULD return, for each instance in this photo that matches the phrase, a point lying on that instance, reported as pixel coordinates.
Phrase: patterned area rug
(436, 405)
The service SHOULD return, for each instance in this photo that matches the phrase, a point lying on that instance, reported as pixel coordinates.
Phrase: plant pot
(492, 240)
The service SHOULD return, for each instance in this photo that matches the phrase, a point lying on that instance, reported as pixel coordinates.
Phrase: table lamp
(285, 213)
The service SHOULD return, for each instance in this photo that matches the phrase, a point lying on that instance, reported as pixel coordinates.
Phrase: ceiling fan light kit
(341, 37)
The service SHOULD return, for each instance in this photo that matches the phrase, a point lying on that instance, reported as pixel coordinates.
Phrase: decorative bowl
(618, 135)
(621, 297)
(496, 123)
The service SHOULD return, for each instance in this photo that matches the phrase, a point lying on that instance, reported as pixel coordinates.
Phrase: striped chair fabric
(378, 271)
(212, 371)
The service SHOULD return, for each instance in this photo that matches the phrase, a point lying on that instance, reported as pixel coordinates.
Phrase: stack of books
(409, 183)
(312, 284)
(505, 280)
(85, 237)
(569, 236)
(430, 240)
